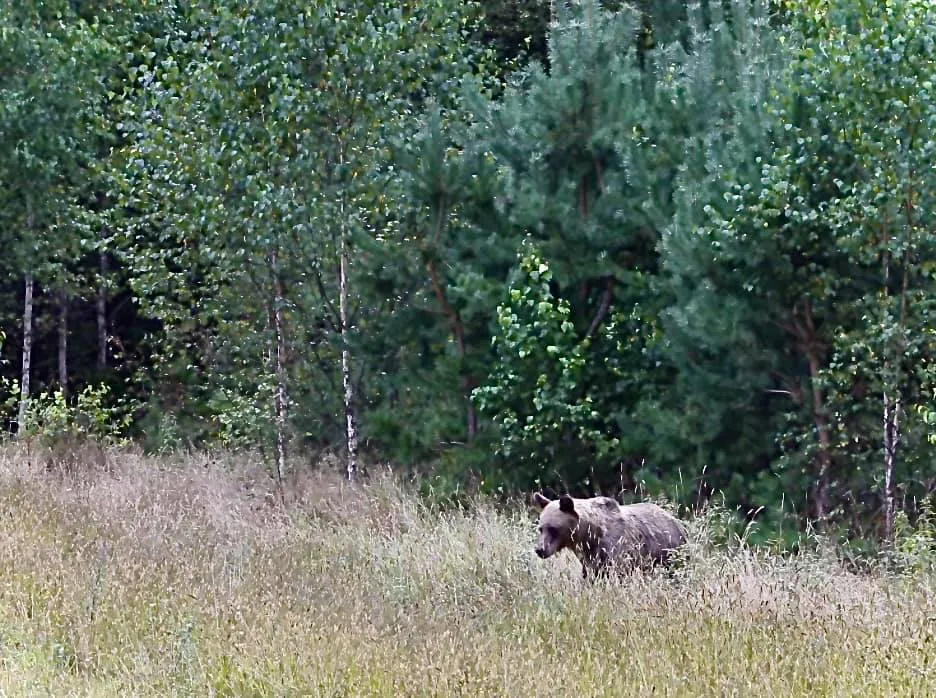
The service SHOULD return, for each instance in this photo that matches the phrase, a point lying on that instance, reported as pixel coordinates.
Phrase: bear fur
(605, 535)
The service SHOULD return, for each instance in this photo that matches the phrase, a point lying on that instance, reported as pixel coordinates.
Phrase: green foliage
(928, 416)
(516, 29)
(243, 420)
(536, 394)
(595, 154)
(162, 432)
(93, 414)
(914, 550)
(267, 145)
(806, 317)
(441, 273)
(880, 210)
(53, 73)
(685, 248)
(716, 414)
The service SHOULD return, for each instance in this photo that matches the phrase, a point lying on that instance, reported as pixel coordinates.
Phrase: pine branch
(603, 307)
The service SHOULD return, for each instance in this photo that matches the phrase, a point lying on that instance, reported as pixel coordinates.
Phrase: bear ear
(566, 504)
(539, 500)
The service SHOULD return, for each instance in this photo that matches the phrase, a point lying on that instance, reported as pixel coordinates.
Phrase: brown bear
(606, 535)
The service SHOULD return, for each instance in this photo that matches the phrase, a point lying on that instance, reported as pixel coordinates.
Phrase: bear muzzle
(542, 552)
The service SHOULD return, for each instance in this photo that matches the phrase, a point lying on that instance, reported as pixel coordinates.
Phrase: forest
(668, 249)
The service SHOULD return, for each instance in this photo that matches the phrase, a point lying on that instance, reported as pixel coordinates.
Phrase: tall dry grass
(186, 576)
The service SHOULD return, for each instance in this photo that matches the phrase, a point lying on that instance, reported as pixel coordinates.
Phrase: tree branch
(603, 307)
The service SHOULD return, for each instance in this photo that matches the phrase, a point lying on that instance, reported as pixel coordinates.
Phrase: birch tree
(872, 90)
(45, 147)
(270, 139)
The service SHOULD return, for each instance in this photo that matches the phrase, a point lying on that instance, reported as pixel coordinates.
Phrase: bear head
(558, 520)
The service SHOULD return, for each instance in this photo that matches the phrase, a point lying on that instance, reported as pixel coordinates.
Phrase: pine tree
(594, 150)
(801, 302)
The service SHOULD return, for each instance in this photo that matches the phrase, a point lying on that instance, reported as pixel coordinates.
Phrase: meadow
(186, 575)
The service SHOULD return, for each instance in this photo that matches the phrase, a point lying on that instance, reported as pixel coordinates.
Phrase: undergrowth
(185, 575)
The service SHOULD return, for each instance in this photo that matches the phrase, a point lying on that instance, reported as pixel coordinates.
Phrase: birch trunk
(891, 437)
(350, 427)
(102, 314)
(346, 383)
(824, 456)
(280, 400)
(63, 342)
(27, 355)
(892, 405)
(890, 417)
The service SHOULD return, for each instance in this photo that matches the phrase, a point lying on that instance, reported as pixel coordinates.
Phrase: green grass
(184, 577)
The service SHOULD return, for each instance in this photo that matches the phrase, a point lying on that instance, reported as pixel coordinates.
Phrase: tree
(593, 152)
(533, 394)
(797, 300)
(278, 124)
(47, 125)
(450, 259)
(866, 89)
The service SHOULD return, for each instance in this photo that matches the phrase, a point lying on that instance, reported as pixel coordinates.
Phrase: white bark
(350, 428)
(27, 355)
(892, 395)
(890, 447)
(280, 400)
(102, 314)
(63, 342)
(891, 439)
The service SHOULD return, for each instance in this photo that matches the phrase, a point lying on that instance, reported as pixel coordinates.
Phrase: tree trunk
(350, 427)
(603, 307)
(803, 328)
(891, 437)
(102, 314)
(468, 385)
(345, 331)
(63, 342)
(458, 327)
(458, 331)
(892, 406)
(27, 355)
(821, 420)
(280, 400)
(890, 447)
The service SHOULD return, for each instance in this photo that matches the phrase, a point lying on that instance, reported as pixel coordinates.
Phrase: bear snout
(542, 553)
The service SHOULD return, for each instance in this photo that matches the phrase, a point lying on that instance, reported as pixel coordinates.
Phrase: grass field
(185, 577)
